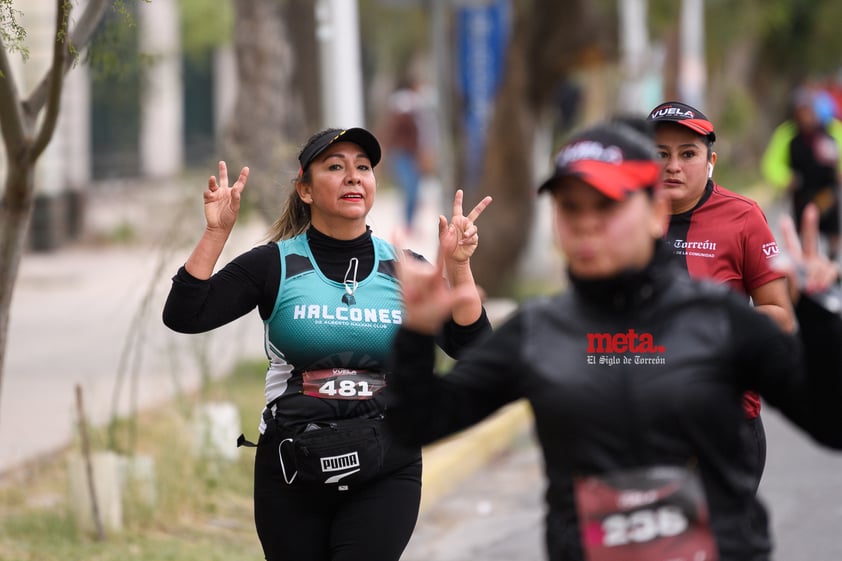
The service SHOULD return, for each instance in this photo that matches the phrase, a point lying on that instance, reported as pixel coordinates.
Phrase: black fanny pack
(341, 452)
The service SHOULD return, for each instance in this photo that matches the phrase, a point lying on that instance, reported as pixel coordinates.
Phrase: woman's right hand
(222, 203)
(807, 269)
(427, 298)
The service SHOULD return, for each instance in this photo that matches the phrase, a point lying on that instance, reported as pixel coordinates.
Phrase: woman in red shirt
(716, 233)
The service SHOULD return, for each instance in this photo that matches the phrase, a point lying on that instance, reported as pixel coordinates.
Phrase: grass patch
(202, 508)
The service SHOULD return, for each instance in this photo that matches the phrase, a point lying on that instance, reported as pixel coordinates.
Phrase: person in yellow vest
(803, 159)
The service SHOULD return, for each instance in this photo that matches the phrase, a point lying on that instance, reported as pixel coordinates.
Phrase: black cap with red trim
(613, 157)
(319, 142)
(683, 114)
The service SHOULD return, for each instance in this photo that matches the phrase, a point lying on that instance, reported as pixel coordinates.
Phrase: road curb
(450, 461)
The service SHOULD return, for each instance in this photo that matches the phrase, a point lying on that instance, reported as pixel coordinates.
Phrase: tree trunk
(549, 39)
(15, 215)
(305, 74)
(27, 128)
(507, 176)
(265, 111)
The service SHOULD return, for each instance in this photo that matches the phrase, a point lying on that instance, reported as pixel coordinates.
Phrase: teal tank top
(319, 323)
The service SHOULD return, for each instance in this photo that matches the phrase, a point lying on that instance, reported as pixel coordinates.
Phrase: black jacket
(642, 370)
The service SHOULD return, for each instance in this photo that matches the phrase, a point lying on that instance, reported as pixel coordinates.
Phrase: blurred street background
(93, 227)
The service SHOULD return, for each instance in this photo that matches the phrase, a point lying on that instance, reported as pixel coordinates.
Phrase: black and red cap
(319, 142)
(614, 158)
(683, 114)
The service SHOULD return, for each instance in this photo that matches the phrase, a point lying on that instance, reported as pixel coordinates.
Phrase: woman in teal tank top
(330, 482)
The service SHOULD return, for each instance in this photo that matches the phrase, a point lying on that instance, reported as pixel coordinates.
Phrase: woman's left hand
(459, 239)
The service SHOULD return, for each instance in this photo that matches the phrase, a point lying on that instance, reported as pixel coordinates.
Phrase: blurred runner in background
(408, 142)
(803, 158)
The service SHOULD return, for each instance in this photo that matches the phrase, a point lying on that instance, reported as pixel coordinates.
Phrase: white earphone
(710, 170)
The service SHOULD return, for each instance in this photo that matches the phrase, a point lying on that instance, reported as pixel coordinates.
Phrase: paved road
(497, 513)
(90, 315)
(802, 487)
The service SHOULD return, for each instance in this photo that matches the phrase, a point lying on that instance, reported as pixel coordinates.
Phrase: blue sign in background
(482, 32)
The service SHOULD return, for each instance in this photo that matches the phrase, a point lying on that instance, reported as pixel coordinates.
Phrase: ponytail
(295, 217)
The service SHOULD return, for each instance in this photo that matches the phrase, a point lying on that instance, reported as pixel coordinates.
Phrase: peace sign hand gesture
(459, 239)
(222, 203)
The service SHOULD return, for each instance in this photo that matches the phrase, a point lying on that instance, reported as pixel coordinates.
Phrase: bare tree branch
(18, 120)
(56, 80)
(81, 35)
(11, 117)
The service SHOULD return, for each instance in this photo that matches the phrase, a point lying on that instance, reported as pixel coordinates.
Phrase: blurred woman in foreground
(634, 374)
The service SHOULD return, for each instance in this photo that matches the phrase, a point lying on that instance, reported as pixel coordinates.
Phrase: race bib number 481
(648, 514)
(343, 383)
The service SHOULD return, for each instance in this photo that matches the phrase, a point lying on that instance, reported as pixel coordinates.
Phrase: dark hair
(295, 217)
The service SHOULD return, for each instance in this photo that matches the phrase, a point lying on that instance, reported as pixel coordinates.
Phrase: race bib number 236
(648, 514)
